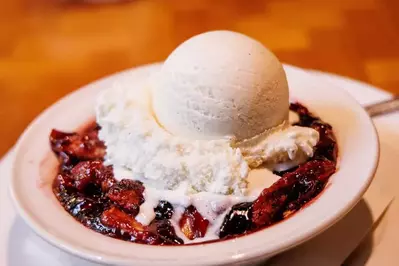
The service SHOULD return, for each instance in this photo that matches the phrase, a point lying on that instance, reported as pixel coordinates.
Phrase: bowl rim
(209, 260)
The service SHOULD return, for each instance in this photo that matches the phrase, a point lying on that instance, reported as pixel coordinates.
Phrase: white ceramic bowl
(34, 171)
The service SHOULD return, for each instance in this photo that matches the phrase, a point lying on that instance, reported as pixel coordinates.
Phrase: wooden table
(48, 49)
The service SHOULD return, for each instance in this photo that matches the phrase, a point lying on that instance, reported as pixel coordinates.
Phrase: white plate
(34, 168)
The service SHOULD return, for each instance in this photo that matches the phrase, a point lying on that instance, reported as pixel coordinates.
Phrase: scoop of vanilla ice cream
(220, 84)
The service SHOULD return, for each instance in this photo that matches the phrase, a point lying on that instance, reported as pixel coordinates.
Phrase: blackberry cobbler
(87, 188)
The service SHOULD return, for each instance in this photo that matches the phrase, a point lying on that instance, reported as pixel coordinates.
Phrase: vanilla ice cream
(219, 84)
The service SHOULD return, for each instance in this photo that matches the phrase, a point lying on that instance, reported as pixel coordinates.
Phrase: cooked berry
(86, 210)
(192, 224)
(237, 221)
(72, 147)
(327, 147)
(165, 230)
(64, 181)
(127, 194)
(85, 177)
(305, 117)
(116, 218)
(269, 206)
(107, 178)
(85, 173)
(291, 192)
(311, 181)
(164, 210)
(126, 224)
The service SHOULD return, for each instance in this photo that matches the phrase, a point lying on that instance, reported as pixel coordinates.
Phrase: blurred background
(51, 47)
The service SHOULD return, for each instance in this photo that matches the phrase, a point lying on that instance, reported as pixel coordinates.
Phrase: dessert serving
(210, 149)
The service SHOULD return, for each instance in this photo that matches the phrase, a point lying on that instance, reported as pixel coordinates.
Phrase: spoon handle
(383, 107)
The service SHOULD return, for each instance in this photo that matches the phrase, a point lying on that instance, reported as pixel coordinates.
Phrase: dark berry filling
(87, 189)
(192, 224)
(164, 210)
(238, 220)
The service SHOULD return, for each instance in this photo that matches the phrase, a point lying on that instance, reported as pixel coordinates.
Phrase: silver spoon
(384, 107)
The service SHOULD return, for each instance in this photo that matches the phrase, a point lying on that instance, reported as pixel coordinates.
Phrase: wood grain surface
(49, 48)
